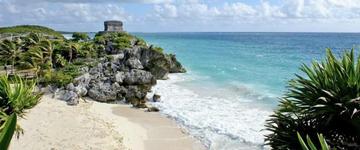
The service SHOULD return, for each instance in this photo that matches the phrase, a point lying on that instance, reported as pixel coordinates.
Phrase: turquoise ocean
(234, 80)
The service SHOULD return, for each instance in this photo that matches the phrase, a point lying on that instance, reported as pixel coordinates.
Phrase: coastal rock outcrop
(160, 64)
(127, 74)
(156, 98)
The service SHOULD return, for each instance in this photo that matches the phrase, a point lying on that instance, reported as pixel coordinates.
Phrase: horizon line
(357, 32)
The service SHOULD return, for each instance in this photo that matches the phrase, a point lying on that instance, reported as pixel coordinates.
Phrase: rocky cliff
(127, 74)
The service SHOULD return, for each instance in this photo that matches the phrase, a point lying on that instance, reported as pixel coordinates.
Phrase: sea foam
(221, 123)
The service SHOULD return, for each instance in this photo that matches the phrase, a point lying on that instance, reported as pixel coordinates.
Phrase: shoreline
(191, 111)
(93, 125)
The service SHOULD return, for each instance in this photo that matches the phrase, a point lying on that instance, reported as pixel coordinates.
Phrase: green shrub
(158, 49)
(71, 70)
(100, 39)
(140, 42)
(109, 58)
(77, 36)
(325, 100)
(59, 79)
(78, 62)
(122, 42)
(62, 76)
(60, 61)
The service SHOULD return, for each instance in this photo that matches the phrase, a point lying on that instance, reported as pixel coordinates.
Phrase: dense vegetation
(21, 29)
(326, 100)
(57, 61)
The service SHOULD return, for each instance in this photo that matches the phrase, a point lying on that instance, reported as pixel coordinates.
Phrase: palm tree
(35, 59)
(32, 39)
(72, 50)
(10, 51)
(47, 48)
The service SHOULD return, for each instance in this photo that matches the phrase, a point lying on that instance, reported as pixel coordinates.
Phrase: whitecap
(220, 123)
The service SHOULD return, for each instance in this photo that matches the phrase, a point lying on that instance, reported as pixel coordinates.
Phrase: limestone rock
(175, 66)
(70, 87)
(81, 90)
(102, 92)
(139, 77)
(153, 109)
(70, 97)
(119, 77)
(156, 98)
(134, 63)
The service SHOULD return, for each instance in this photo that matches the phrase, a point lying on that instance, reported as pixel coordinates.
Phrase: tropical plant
(140, 42)
(60, 60)
(59, 79)
(33, 58)
(100, 49)
(16, 96)
(77, 36)
(7, 130)
(32, 39)
(122, 42)
(72, 49)
(309, 145)
(88, 50)
(10, 51)
(326, 100)
(47, 48)
(158, 49)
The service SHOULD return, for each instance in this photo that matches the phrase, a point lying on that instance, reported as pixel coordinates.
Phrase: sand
(92, 125)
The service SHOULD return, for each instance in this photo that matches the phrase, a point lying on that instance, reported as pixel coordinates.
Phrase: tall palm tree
(32, 39)
(72, 50)
(35, 58)
(10, 51)
(47, 48)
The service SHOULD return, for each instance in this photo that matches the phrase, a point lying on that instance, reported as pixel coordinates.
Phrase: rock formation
(129, 76)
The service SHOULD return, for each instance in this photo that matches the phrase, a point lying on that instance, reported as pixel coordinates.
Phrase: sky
(187, 15)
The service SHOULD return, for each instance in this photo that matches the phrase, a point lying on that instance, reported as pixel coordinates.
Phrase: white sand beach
(92, 125)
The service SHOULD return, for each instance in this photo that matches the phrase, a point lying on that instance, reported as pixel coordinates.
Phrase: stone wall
(113, 26)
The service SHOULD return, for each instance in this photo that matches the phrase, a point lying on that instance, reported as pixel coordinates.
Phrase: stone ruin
(113, 26)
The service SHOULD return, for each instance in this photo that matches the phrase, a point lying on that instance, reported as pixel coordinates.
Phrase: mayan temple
(113, 26)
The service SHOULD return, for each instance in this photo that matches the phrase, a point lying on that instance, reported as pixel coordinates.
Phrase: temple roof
(113, 22)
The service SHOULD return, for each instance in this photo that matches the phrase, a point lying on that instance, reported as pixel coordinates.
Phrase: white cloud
(66, 16)
(167, 11)
(288, 10)
(95, 1)
(176, 14)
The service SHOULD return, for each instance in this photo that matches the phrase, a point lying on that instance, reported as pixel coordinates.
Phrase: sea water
(234, 80)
